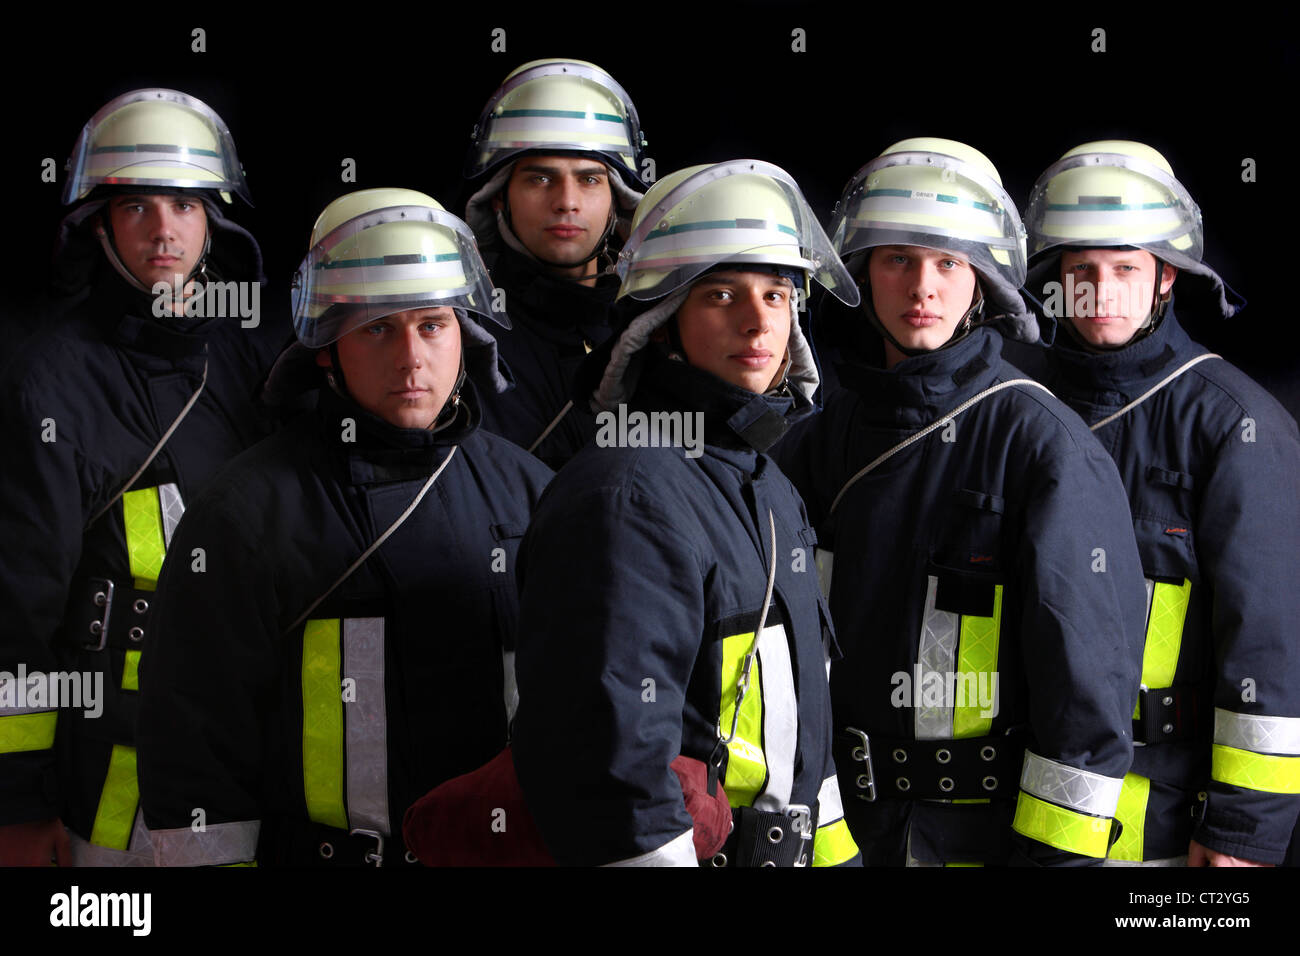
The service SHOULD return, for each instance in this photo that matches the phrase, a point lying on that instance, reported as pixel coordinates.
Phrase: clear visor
(502, 132)
(744, 211)
(1109, 199)
(934, 201)
(388, 261)
(206, 159)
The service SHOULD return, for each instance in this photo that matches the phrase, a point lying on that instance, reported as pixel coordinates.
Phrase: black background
(399, 92)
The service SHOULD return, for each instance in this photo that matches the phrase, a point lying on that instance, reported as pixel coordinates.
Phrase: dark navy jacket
(642, 580)
(1211, 465)
(1014, 494)
(237, 717)
(84, 402)
(556, 322)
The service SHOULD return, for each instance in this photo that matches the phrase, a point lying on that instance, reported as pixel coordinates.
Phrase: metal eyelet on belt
(989, 783)
(775, 835)
(902, 783)
(900, 755)
(136, 634)
(987, 752)
(326, 851)
(946, 784)
(1167, 701)
(100, 598)
(411, 857)
(858, 755)
(942, 755)
(140, 605)
(719, 859)
(1167, 728)
(863, 782)
(96, 627)
(767, 863)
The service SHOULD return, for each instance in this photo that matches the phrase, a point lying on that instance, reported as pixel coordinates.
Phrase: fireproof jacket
(82, 404)
(1211, 465)
(983, 587)
(398, 680)
(642, 581)
(556, 322)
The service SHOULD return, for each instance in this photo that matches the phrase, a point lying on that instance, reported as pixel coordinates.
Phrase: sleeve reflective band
(977, 665)
(1164, 634)
(833, 844)
(115, 816)
(1080, 790)
(131, 671)
(145, 544)
(217, 844)
(746, 766)
(1132, 813)
(679, 851)
(1256, 751)
(24, 732)
(322, 723)
(1061, 828)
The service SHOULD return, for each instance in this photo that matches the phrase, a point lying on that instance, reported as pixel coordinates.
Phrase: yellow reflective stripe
(963, 864)
(322, 723)
(227, 866)
(1242, 768)
(145, 544)
(117, 801)
(746, 765)
(1164, 634)
(977, 654)
(23, 732)
(131, 671)
(1131, 811)
(1061, 828)
(833, 844)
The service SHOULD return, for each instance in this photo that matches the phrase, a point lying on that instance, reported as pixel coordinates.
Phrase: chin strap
(968, 322)
(1159, 305)
(505, 226)
(104, 230)
(446, 415)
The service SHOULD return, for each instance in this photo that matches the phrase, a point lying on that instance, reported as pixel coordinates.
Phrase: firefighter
(1211, 467)
(115, 417)
(661, 612)
(347, 642)
(973, 538)
(554, 174)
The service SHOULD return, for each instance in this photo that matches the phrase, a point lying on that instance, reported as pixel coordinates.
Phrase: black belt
(1169, 714)
(906, 769)
(768, 837)
(319, 845)
(115, 616)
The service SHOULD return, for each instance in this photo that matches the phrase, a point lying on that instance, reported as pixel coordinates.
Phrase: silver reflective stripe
(937, 654)
(216, 845)
(825, 561)
(911, 860)
(365, 722)
(12, 690)
(139, 851)
(1069, 787)
(679, 851)
(510, 688)
(780, 718)
(171, 508)
(829, 808)
(1167, 861)
(1257, 733)
(1151, 590)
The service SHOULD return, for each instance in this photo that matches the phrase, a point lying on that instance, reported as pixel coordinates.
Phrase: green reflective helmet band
(400, 251)
(155, 137)
(743, 212)
(560, 105)
(1112, 198)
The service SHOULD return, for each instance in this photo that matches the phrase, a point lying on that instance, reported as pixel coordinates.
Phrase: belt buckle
(865, 751)
(799, 817)
(103, 597)
(375, 856)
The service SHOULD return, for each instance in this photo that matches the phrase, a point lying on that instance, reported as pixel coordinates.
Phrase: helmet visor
(388, 261)
(745, 211)
(155, 137)
(585, 110)
(934, 201)
(1109, 199)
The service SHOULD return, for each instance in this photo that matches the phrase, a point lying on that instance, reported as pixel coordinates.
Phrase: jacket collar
(555, 308)
(1132, 369)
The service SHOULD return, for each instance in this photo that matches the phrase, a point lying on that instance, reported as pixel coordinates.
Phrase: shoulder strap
(1155, 388)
